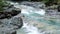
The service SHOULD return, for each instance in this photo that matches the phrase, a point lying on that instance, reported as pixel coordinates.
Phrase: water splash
(30, 29)
(28, 9)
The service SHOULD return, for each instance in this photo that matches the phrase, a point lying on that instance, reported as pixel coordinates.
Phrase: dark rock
(10, 6)
(48, 4)
(11, 25)
(59, 8)
(9, 14)
(14, 32)
(0, 23)
(17, 21)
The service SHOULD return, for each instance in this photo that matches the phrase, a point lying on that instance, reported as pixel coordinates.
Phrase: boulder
(9, 21)
(9, 12)
(9, 26)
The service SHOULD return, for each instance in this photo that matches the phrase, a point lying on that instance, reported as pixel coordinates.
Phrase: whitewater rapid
(27, 10)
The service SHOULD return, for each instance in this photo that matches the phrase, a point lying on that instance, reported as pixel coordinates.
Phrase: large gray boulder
(10, 22)
(8, 26)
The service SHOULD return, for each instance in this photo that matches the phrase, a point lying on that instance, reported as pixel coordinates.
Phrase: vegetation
(3, 3)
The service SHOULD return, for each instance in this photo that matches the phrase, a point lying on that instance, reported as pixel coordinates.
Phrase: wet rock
(17, 21)
(10, 6)
(59, 8)
(10, 25)
(14, 32)
(9, 12)
(9, 20)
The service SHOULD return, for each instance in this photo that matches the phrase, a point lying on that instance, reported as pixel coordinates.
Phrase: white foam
(31, 29)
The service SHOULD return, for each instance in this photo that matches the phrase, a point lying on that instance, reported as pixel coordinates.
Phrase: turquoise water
(51, 22)
(54, 23)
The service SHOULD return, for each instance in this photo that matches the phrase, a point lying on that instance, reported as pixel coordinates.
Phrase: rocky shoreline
(10, 23)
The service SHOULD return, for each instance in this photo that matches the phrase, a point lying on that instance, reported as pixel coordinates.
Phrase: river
(34, 22)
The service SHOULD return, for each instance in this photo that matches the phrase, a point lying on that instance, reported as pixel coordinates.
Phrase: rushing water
(32, 15)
